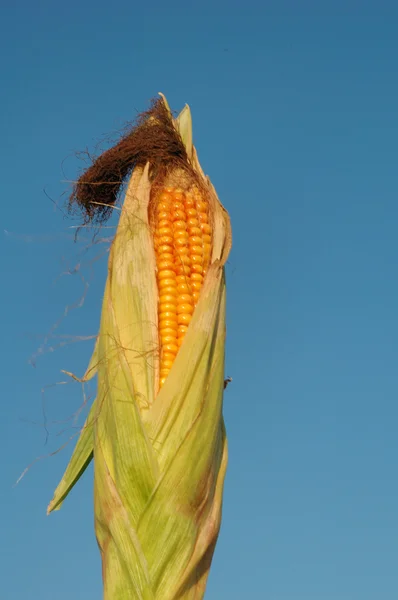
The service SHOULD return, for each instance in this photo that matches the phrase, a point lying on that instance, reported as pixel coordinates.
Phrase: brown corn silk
(155, 430)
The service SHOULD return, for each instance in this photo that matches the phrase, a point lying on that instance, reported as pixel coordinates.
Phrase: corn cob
(183, 246)
(156, 430)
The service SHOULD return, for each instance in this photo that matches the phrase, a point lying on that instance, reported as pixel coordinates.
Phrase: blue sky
(295, 120)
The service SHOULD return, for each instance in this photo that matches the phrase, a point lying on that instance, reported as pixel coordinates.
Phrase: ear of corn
(157, 438)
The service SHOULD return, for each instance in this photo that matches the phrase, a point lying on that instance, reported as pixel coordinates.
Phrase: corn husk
(159, 458)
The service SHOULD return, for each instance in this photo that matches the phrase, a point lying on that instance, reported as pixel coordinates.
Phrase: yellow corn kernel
(165, 264)
(169, 291)
(166, 274)
(183, 270)
(179, 215)
(183, 288)
(183, 259)
(186, 309)
(165, 197)
(184, 319)
(168, 331)
(197, 277)
(197, 268)
(166, 283)
(194, 230)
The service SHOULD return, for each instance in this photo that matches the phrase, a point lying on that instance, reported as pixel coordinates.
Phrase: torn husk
(159, 456)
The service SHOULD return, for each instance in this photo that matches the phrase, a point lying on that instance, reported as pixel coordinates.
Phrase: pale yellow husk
(159, 460)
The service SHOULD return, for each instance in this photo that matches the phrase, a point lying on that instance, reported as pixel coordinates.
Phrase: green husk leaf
(166, 103)
(83, 452)
(183, 125)
(81, 458)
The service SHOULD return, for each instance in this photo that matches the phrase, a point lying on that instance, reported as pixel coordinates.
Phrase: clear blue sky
(295, 120)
